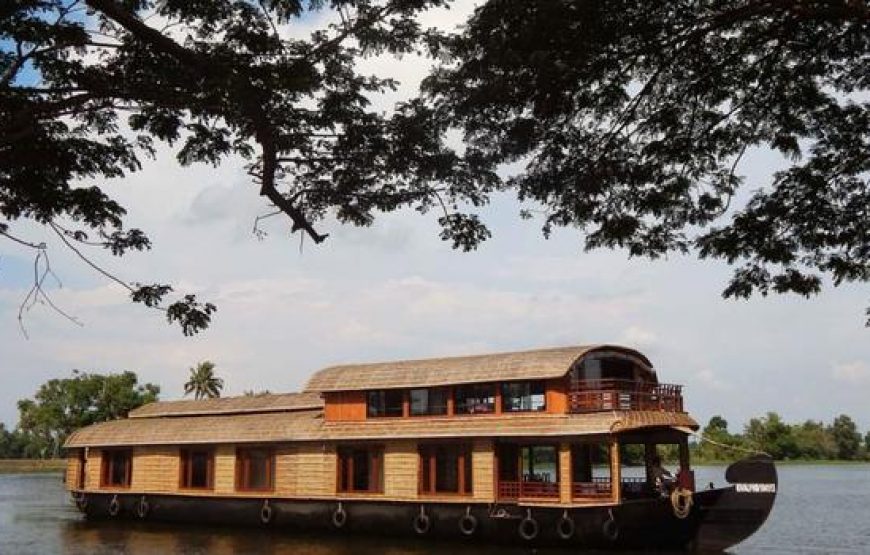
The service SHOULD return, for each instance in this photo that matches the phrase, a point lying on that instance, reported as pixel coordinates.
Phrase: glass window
(445, 469)
(539, 464)
(360, 469)
(117, 466)
(475, 399)
(523, 396)
(387, 402)
(428, 402)
(255, 469)
(197, 468)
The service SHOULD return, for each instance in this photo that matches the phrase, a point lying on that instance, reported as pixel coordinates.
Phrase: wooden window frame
(107, 466)
(464, 463)
(496, 399)
(344, 469)
(384, 392)
(530, 383)
(185, 468)
(243, 466)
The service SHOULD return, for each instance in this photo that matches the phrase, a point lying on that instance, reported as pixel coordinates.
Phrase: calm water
(820, 509)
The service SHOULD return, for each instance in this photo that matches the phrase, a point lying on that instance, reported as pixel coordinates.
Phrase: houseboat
(546, 447)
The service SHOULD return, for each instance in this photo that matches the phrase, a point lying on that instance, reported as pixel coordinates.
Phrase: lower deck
(567, 472)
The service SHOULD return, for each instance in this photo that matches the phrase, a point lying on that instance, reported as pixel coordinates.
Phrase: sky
(395, 290)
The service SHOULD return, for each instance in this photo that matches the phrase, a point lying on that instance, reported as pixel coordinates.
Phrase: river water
(819, 510)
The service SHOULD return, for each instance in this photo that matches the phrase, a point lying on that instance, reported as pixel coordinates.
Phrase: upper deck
(569, 380)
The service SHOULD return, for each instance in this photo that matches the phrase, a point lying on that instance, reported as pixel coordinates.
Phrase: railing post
(615, 471)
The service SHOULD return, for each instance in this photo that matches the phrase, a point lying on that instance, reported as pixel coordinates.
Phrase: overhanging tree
(88, 86)
(632, 119)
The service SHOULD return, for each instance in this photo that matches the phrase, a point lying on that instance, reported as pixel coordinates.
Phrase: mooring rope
(702, 437)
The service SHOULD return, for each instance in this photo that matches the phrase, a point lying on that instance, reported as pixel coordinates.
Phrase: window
(539, 464)
(523, 396)
(197, 469)
(117, 468)
(590, 470)
(255, 469)
(387, 402)
(445, 469)
(428, 402)
(360, 469)
(475, 399)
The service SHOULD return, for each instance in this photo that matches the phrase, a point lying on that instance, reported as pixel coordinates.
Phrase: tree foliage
(631, 121)
(810, 440)
(203, 383)
(218, 79)
(63, 405)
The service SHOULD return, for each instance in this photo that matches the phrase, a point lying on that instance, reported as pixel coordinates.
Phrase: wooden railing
(600, 395)
(517, 490)
(597, 488)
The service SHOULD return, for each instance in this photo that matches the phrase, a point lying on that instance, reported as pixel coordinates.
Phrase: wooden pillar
(649, 451)
(684, 454)
(615, 471)
(565, 476)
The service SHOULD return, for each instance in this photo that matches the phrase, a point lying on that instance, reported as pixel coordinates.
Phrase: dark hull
(718, 519)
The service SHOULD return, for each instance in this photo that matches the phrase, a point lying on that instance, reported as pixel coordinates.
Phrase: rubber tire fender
(339, 517)
(468, 524)
(422, 524)
(114, 506)
(528, 528)
(561, 530)
(142, 508)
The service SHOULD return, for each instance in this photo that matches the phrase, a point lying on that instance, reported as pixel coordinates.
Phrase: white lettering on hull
(755, 488)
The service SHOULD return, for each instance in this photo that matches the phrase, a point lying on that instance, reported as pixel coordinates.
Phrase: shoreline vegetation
(29, 466)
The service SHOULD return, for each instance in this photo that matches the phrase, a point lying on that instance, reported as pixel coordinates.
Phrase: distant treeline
(810, 440)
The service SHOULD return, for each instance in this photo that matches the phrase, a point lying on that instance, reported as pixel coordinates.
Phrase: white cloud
(856, 372)
(711, 380)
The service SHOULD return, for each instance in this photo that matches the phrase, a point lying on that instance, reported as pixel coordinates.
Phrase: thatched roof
(231, 405)
(308, 425)
(525, 365)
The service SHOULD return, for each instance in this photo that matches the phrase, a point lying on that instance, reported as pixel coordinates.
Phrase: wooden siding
(565, 474)
(92, 467)
(225, 469)
(557, 396)
(155, 470)
(72, 470)
(316, 468)
(401, 467)
(483, 470)
(344, 406)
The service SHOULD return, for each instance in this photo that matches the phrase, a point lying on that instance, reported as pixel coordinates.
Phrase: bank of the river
(18, 466)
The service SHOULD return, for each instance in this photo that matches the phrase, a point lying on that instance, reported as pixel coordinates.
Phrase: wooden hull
(718, 519)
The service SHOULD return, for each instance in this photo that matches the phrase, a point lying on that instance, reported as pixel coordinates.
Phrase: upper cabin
(570, 380)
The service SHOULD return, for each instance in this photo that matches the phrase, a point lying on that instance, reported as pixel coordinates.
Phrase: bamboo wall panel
(72, 470)
(286, 471)
(155, 470)
(316, 470)
(92, 469)
(225, 469)
(483, 470)
(401, 467)
(565, 474)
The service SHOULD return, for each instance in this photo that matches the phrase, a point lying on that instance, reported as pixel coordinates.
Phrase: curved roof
(524, 365)
(230, 405)
(308, 425)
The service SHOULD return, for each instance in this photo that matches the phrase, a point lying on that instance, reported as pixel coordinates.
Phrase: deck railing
(600, 395)
(518, 490)
(597, 488)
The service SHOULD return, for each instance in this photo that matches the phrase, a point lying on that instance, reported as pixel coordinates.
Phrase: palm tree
(202, 382)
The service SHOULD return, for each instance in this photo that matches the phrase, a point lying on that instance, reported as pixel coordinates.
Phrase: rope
(702, 437)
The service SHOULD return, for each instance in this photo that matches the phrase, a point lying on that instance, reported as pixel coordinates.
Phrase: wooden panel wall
(92, 479)
(155, 469)
(401, 467)
(286, 470)
(225, 469)
(344, 406)
(557, 396)
(483, 470)
(315, 466)
(72, 469)
(565, 472)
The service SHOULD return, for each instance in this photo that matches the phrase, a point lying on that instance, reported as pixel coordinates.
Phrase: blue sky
(395, 290)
